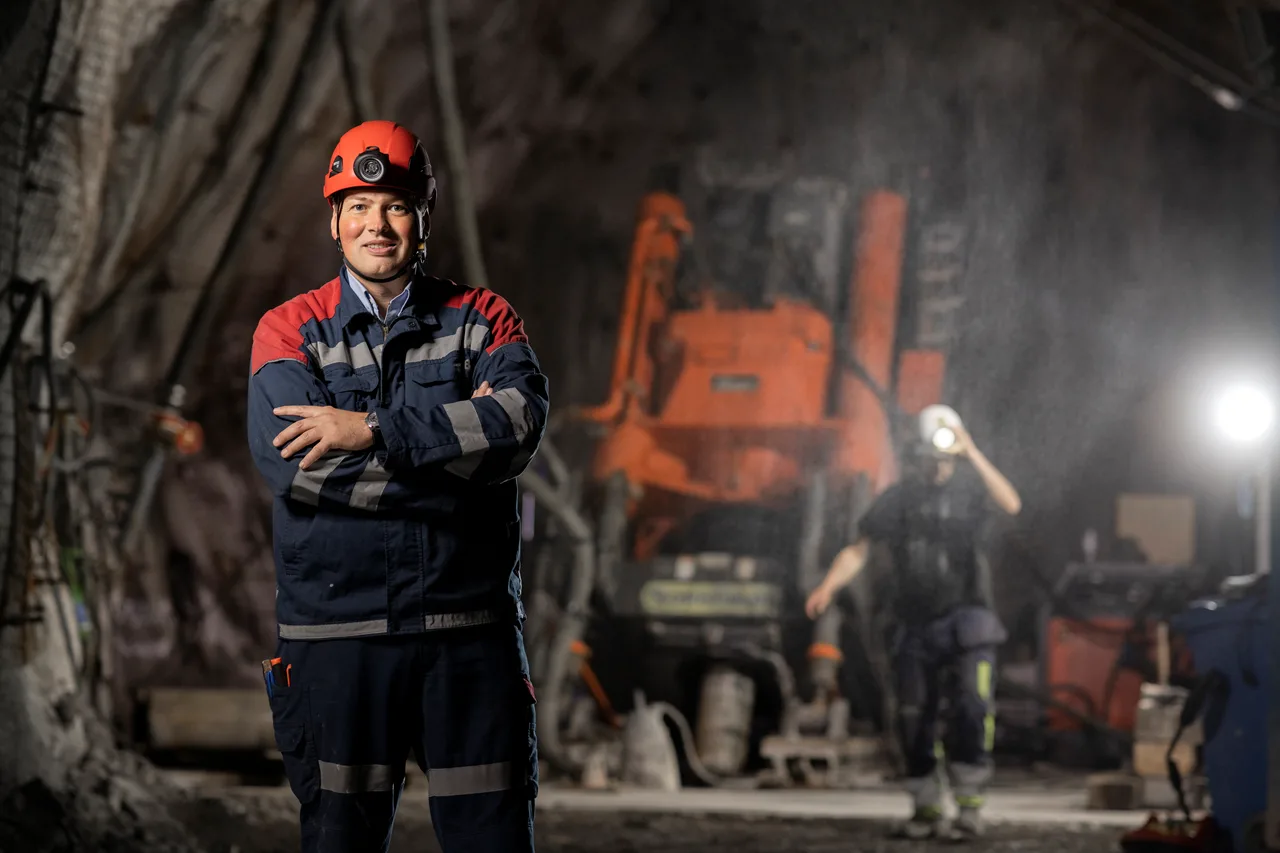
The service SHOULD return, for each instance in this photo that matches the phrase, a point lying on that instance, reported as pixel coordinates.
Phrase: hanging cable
(455, 145)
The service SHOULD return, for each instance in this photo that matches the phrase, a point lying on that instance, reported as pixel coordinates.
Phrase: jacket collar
(353, 311)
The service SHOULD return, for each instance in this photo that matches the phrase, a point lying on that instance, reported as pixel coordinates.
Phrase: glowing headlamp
(938, 429)
(944, 438)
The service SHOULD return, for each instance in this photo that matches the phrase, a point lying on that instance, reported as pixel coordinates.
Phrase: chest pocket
(437, 382)
(354, 392)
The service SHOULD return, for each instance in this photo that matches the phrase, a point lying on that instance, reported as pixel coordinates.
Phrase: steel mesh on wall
(28, 32)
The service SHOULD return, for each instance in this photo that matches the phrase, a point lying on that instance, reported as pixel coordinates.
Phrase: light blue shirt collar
(370, 305)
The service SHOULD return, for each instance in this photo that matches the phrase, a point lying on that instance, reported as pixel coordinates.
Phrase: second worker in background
(948, 631)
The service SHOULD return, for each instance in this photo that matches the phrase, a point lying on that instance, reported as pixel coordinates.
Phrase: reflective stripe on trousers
(378, 627)
(441, 781)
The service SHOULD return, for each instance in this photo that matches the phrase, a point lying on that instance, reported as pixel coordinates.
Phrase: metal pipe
(1262, 518)
(786, 685)
(573, 621)
(555, 462)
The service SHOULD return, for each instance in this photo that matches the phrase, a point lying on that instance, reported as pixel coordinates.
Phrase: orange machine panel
(745, 369)
(1079, 659)
(920, 378)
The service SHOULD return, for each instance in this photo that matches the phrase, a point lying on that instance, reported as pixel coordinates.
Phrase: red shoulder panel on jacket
(279, 332)
(505, 325)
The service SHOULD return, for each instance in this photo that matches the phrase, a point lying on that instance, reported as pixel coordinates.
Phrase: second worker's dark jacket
(933, 533)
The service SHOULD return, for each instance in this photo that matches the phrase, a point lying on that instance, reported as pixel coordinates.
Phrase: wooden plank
(209, 718)
(1149, 758)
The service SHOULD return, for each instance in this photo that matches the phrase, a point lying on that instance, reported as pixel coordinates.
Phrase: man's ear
(333, 220)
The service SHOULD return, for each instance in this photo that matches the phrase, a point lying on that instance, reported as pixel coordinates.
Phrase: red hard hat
(381, 155)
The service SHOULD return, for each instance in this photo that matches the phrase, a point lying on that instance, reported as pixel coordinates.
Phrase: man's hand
(324, 427)
(963, 446)
(483, 391)
(819, 600)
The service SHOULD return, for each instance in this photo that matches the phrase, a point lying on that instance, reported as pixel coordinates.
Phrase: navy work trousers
(459, 700)
(945, 672)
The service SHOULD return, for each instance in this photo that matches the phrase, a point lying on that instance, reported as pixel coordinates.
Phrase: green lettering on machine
(709, 598)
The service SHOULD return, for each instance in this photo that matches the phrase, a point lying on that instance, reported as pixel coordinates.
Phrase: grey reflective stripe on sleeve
(357, 778)
(307, 484)
(333, 630)
(441, 621)
(369, 488)
(474, 779)
(517, 409)
(471, 438)
(357, 356)
(466, 426)
(470, 337)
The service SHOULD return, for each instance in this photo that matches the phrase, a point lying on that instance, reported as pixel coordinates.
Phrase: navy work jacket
(421, 531)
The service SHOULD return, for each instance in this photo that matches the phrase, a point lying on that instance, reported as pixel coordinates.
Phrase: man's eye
(399, 208)
(356, 207)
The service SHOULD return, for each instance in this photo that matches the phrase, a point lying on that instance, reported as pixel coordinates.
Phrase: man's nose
(377, 221)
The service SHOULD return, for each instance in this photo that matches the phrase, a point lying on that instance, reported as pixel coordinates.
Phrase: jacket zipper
(382, 381)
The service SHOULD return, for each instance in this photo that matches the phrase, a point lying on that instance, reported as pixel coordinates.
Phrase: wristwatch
(371, 421)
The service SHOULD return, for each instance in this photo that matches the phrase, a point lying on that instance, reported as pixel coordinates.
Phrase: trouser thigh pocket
(290, 719)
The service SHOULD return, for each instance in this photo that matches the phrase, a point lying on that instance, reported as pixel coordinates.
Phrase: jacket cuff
(388, 444)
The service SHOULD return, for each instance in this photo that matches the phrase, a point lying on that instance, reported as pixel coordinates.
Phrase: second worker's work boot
(926, 822)
(967, 826)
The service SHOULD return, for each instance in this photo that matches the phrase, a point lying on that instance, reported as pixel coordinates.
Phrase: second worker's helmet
(937, 430)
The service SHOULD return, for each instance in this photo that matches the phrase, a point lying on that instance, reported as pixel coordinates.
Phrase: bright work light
(1245, 413)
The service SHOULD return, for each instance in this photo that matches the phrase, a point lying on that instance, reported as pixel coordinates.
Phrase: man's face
(377, 230)
(934, 468)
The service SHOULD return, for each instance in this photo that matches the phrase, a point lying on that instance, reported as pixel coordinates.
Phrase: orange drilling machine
(748, 425)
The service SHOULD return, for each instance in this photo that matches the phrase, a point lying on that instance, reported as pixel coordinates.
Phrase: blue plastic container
(1232, 638)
